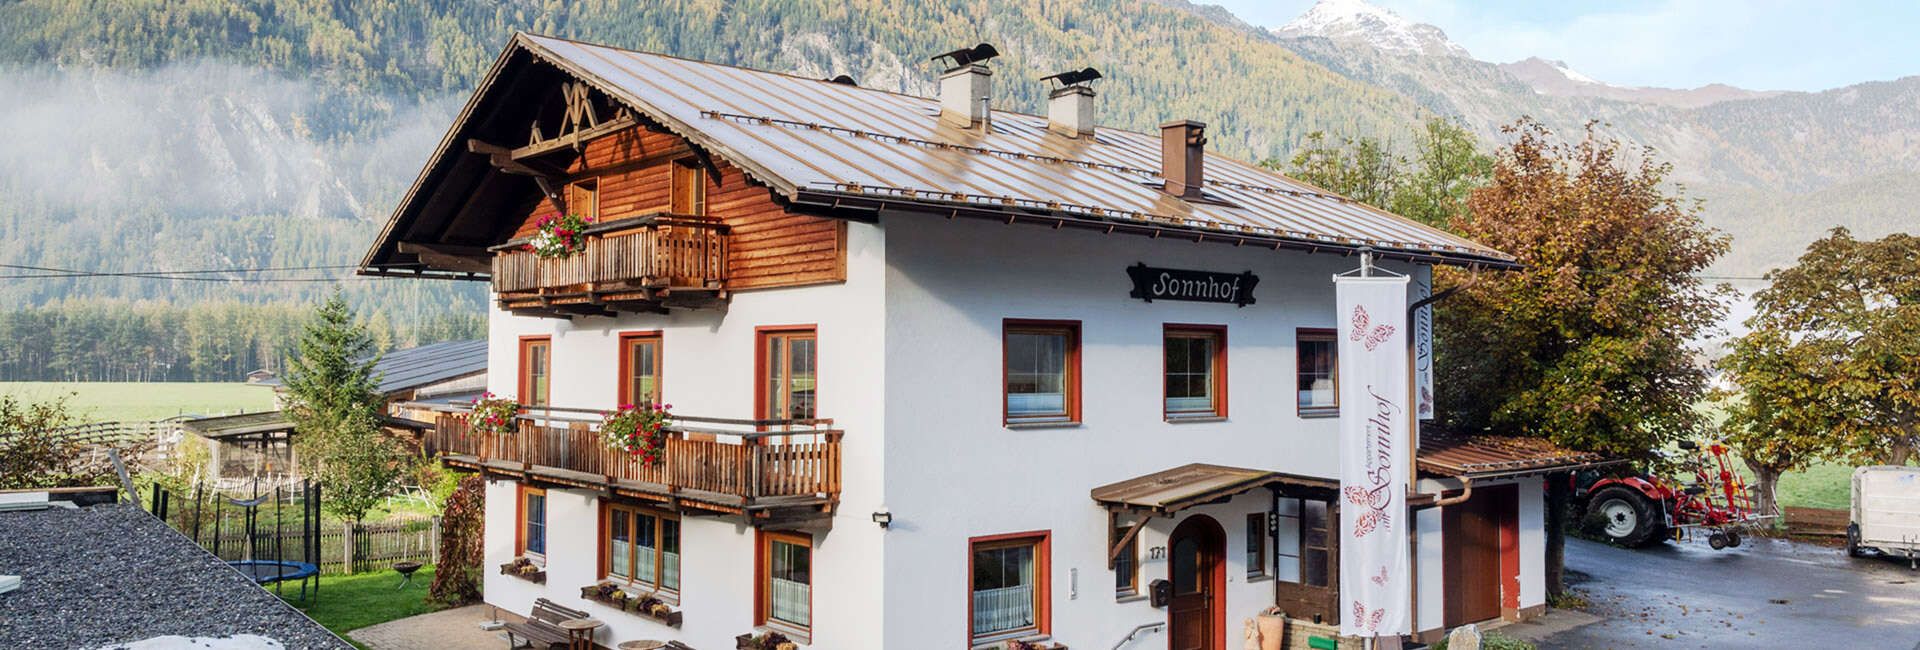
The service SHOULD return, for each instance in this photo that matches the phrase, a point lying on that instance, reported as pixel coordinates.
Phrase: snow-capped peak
(1570, 73)
(1357, 21)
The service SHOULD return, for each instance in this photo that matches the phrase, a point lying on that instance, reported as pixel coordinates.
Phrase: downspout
(1466, 492)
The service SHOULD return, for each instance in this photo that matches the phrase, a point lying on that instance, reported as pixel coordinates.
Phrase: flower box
(524, 569)
(1017, 644)
(641, 605)
(764, 641)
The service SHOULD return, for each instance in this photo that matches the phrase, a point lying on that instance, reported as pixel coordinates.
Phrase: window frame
(763, 582)
(1318, 335)
(589, 188)
(675, 182)
(1258, 543)
(607, 508)
(1042, 542)
(522, 493)
(1070, 365)
(627, 339)
(1217, 368)
(525, 376)
(760, 385)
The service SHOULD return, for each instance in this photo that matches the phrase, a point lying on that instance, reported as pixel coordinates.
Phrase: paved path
(1765, 594)
(453, 628)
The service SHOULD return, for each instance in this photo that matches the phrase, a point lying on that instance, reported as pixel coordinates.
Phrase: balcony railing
(641, 259)
(734, 464)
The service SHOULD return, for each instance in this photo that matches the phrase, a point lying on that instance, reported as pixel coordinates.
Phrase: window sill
(1259, 578)
(1129, 598)
(1043, 424)
(1202, 417)
(1312, 413)
(530, 571)
(999, 641)
(794, 634)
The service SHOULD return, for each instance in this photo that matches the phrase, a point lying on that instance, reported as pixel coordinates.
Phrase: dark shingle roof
(424, 365)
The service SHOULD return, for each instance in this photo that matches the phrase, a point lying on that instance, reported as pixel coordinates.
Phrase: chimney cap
(966, 56)
(1184, 123)
(1074, 77)
(844, 80)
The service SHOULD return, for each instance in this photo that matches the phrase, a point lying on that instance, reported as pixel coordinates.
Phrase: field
(131, 401)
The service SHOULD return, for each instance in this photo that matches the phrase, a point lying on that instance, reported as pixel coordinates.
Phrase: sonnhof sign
(1150, 284)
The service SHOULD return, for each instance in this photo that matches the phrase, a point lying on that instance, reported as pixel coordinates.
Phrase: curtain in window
(1036, 374)
(1002, 589)
(1316, 380)
(791, 589)
(619, 545)
(1189, 363)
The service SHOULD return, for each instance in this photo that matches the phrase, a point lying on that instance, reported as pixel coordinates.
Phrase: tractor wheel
(1733, 539)
(1717, 541)
(1625, 517)
(1853, 540)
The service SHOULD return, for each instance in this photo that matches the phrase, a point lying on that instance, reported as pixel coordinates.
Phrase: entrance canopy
(1166, 492)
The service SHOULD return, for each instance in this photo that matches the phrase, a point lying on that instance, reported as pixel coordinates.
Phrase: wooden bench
(542, 629)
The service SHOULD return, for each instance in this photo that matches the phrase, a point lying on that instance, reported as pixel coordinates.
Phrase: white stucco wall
(708, 370)
(959, 473)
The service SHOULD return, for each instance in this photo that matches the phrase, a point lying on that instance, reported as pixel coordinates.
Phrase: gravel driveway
(1768, 593)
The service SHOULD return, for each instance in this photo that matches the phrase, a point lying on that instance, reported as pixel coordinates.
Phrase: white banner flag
(1422, 344)
(1375, 562)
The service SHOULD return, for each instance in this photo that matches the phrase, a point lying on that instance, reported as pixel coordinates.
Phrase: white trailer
(1886, 512)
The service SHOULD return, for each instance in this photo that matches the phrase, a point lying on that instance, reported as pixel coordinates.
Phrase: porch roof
(1172, 490)
(245, 424)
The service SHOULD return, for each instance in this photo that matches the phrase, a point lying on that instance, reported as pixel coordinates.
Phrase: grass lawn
(132, 401)
(351, 602)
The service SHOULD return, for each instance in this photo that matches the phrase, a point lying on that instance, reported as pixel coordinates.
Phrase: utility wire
(195, 275)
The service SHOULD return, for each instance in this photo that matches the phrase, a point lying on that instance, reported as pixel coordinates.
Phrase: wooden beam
(1113, 556)
(567, 142)
(466, 259)
(502, 159)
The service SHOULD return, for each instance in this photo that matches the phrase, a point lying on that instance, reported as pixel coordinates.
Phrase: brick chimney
(1183, 156)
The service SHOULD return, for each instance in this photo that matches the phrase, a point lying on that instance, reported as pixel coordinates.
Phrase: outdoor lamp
(883, 518)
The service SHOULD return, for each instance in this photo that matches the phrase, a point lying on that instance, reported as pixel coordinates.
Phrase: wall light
(883, 518)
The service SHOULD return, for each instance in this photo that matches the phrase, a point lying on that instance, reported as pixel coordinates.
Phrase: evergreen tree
(334, 403)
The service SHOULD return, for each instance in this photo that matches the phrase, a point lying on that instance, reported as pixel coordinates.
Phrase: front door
(1196, 617)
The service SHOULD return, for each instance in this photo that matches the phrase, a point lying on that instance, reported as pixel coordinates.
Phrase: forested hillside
(245, 134)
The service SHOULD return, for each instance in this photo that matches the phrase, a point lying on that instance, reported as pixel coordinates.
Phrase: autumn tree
(1831, 365)
(36, 451)
(1430, 187)
(1588, 342)
(334, 404)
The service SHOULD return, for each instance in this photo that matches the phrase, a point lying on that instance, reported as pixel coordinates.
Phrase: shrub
(457, 579)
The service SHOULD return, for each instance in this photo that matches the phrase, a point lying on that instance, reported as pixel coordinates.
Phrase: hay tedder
(1643, 510)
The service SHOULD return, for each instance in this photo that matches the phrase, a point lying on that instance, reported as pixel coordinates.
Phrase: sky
(1755, 44)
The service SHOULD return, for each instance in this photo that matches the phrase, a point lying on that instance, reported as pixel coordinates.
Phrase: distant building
(251, 444)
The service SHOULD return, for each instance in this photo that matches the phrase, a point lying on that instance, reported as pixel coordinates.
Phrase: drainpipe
(1466, 492)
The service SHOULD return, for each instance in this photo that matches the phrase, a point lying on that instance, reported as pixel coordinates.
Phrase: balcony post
(756, 449)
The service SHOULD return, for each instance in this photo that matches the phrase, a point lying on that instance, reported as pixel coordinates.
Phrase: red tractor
(1637, 511)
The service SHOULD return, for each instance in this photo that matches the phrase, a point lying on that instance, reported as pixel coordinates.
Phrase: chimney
(965, 88)
(1183, 155)
(1070, 107)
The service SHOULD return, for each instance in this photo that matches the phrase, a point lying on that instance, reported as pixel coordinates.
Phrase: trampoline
(264, 572)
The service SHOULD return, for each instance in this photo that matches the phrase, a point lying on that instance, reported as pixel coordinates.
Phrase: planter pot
(631, 606)
(510, 569)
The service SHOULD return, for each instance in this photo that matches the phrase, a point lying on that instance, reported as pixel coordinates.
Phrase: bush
(462, 545)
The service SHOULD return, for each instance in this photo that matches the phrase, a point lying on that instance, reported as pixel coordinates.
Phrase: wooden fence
(215, 520)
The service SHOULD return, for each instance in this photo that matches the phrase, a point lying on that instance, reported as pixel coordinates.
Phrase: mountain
(1556, 78)
(1830, 155)
(1354, 22)
(280, 133)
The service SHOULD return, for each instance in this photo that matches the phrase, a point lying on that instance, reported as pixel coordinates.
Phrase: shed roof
(1490, 455)
(245, 424)
(832, 145)
(1171, 490)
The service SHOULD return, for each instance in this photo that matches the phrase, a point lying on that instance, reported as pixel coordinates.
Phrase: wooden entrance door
(1196, 553)
(1313, 594)
(1480, 561)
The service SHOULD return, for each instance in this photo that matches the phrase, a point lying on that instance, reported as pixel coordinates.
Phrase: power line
(194, 275)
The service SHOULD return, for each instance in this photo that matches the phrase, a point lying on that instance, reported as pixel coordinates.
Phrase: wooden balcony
(774, 473)
(644, 264)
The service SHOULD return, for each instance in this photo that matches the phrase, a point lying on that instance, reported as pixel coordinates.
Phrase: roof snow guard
(845, 149)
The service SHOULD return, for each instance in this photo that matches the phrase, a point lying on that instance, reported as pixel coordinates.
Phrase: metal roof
(1488, 455)
(829, 144)
(424, 365)
(1171, 490)
(245, 424)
